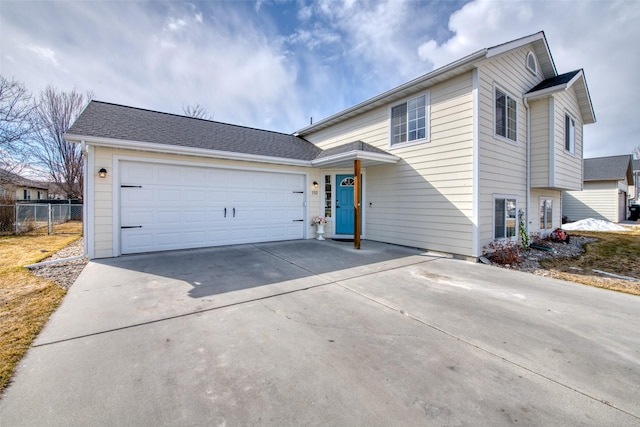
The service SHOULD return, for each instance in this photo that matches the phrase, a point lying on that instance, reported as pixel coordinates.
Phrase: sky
(275, 64)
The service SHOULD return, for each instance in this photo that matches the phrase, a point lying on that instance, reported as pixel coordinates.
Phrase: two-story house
(444, 162)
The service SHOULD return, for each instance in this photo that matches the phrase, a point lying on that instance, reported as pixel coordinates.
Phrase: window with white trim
(409, 120)
(506, 115)
(505, 217)
(569, 134)
(532, 64)
(546, 214)
(26, 194)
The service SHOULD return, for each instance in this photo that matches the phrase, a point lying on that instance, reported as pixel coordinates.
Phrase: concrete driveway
(317, 333)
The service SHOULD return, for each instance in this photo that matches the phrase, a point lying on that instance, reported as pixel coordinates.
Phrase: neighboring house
(446, 162)
(16, 187)
(604, 195)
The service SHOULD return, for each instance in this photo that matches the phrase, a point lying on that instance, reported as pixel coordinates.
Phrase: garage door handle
(298, 220)
(131, 226)
(234, 212)
(225, 212)
(131, 186)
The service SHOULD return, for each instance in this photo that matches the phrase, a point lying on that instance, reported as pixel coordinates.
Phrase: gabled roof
(113, 125)
(563, 82)
(7, 177)
(615, 168)
(107, 121)
(540, 47)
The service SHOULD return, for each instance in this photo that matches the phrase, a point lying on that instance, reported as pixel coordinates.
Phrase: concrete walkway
(317, 333)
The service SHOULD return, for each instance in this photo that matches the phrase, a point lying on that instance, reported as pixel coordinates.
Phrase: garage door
(166, 207)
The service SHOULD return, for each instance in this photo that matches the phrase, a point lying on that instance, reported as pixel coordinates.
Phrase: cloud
(45, 53)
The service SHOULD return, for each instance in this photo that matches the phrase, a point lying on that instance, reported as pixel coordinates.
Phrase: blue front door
(344, 204)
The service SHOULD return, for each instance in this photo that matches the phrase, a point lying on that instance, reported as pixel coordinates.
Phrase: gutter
(528, 179)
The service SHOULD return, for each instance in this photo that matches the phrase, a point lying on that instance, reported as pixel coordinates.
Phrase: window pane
(501, 113)
(499, 218)
(421, 100)
(549, 214)
(542, 211)
(511, 218)
(512, 120)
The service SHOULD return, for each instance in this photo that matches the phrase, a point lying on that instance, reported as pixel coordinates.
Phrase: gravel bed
(532, 257)
(64, 273)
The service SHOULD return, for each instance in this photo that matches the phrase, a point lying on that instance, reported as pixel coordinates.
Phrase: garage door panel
(184, 207)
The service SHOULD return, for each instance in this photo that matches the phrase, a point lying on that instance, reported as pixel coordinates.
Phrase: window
(327, 196)
(26, 195)
(569, 134)
(546, 214)
(409, 120)
(532, 65)
(39, 195)
(506, 115)
(504, 218)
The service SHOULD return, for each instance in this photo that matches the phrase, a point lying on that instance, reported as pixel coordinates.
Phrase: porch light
(315, 184)
(102, 173)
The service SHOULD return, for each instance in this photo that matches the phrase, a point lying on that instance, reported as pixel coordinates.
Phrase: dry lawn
(616, 252)
(26, 301)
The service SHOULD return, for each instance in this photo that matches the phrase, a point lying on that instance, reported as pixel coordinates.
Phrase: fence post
(50, 220)
(15, 219)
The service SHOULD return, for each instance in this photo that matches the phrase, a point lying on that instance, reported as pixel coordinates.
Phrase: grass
(26, 301)
(616, 252)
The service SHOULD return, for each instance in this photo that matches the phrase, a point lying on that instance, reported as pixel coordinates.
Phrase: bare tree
(197, 111)
(636, 152)
(16, 108)
(55, 113)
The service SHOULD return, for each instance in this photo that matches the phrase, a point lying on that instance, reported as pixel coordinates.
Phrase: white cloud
(45, 53)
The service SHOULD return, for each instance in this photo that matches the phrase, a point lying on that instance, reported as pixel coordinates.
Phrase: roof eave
(191, 151)
(373, 158)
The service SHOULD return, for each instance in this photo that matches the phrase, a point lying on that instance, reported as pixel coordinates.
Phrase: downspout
(528, 189)
(85, 149)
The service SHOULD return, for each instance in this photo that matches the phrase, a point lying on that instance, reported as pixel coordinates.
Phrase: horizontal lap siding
(502, 164)
(598, 200)
(425, 200)
(104, 215)
(539, 143)
(567, 166)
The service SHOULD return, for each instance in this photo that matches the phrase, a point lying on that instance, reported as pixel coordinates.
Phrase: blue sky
(274, 64)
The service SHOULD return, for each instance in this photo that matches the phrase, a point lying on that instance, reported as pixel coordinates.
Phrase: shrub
(504, 252)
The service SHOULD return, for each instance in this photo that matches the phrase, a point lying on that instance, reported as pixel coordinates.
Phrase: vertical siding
(598, 200)
(540, 143)
(502, 164)
(567, 166)
(426, 199)
(103, 213)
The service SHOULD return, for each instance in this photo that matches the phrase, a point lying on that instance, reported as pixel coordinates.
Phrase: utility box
(634, 212)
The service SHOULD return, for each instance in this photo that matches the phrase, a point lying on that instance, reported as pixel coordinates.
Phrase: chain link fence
(22, 218)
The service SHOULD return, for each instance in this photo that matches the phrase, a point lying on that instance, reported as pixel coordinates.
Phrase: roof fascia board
(388, 94)
(545, 92)
(505, 47)
(190, 151)
(356, 154)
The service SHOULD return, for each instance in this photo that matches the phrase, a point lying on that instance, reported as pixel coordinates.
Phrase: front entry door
(344, 204)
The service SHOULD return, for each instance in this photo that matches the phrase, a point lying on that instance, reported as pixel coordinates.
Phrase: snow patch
(591, 224)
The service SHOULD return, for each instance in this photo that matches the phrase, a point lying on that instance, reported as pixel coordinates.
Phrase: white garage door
(165, 207)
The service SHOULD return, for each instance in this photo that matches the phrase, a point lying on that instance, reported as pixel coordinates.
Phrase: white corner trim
(90, 202)
(475, 210)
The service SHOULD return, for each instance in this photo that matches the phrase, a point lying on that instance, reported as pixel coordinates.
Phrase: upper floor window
(532, 64)
(506, 115)
(409, 120)
(569, 134)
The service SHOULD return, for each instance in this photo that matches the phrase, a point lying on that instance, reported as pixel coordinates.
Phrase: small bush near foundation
(504, 252)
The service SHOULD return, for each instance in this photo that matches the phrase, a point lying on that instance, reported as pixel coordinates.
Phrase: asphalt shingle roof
(608, 168)
(555, 81)
(105, 120)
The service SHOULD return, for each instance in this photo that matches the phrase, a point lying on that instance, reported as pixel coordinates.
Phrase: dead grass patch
(616, 252)
(26, 301)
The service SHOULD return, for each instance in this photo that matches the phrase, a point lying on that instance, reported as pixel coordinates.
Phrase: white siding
(426, 199)
(103, 214)
(598, 200)
(567, 167)
(540, 143)
(502, 164)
